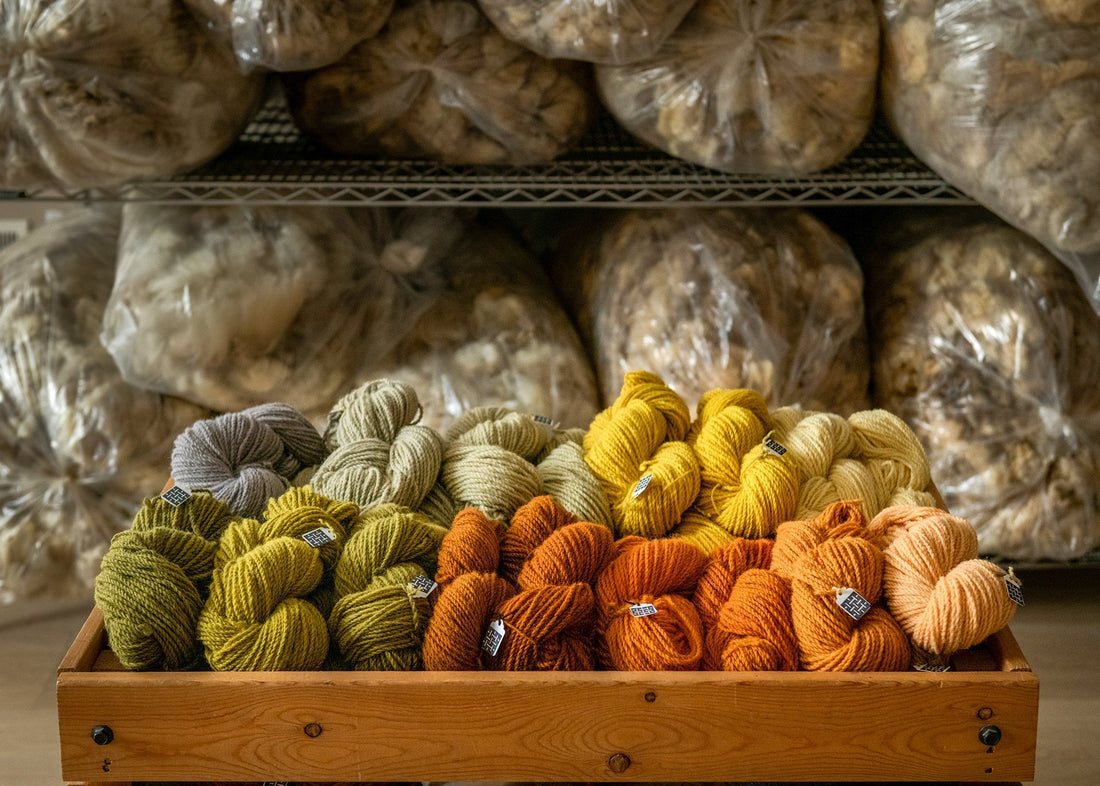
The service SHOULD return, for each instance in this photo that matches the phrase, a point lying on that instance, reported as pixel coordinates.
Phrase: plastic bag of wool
(987, 347)
(293, 35)
(1003, 100)
(439, 82)
(497, 336)
(99, 92)
(237, 306)
(756, 86)
(79, 447)
(732, 298)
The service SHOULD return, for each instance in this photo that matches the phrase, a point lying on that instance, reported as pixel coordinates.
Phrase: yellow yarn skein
(700, 531)
(894, 456)
(641, 434)
(746, 489)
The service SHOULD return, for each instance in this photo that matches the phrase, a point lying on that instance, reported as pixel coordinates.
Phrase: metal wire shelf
(272, 163)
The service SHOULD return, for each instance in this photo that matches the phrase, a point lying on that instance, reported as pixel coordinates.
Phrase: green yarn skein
(154, 579)
(377, 624)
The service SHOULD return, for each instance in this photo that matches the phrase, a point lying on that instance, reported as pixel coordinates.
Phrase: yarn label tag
(318, 537)
(1014, 587)
(543, 420)
(422, 586)
(854, 604)
(490, 642)
(643, 484)
(176, 496)
(932, 667)
(643, 609)
(774, 447)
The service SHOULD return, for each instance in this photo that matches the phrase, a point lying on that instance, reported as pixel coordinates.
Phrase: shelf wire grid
(273, 163)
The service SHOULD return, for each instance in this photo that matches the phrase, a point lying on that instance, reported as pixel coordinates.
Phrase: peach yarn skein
(944, 597)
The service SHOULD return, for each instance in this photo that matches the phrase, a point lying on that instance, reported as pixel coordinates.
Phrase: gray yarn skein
(379, 453)
(246, 458)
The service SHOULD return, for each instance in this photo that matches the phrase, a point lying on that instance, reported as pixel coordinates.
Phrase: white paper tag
(932, 667)
(643, 484)
(490, 642)
(852, 602)
(774, 447)
(422, 586)
(319, 537)
(543, 420)
(643, 609)
(1014, 587)
(176, 496)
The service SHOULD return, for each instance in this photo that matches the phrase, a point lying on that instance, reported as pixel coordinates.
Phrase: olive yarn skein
(746, 489)
(378, 621)
(379, 453)
(154, 579)
(246, 458)
(942, 595)
(641, 435)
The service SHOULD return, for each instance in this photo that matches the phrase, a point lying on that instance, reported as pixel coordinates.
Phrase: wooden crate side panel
(541, 727)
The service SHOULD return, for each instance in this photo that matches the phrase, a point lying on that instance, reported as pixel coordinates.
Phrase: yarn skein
(472, 545)
(378, 622)
(894, 456)
(531, 525)
(641, 435)
(942, 595)
(154, 579)
(246, 458)
(568, 479)
(462, 613)
(721, 571)
(379, 453)
(755, 626)
(662, 573)
(746, 489)
(821, 559)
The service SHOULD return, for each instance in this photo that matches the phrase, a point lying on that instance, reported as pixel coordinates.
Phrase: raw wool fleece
(987, 347)
(755, 86)
(100, 92)
(73, 463)
(734, 298)
(236, 306)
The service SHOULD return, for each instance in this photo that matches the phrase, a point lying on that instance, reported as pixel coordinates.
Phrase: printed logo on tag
(422, 586)
(774, 447)
(643, 484)
(319, 537)
(276, 783)
(543, 420)
(932, 667)
(852, 602)
(490, 642)
(176, 496)
(1014, 587)
(643, 609)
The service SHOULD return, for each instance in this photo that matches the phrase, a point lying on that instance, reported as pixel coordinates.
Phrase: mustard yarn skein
(700, 531)
(378, 623)
(642, 434)
(154, 579)
(379, 453)
(942, 595)
(746, 489)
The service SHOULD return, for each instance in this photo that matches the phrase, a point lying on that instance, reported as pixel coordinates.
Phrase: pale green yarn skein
(569, 480)
(379, 453)
(377, 624)
(154, 579)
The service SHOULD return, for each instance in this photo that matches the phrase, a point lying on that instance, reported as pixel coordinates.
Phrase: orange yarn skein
(547, 628)
(532, 524)
(755, 628)
(820, 557)
(942, 595)
(658, 572)
(462, 612)
(723, 568)
(472, 545)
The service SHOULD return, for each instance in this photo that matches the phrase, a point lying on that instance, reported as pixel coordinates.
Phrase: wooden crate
(580, 726)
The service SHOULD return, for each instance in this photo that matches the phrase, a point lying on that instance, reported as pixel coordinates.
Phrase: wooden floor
(1058, 630)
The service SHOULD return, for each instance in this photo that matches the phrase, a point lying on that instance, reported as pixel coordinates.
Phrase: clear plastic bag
(986, 346)
(766, 299)
(496, 337)
(236, 306)
(1003, 100)
(440, 82)
(758, 86)
(98, 92)
(599, 31)
(79, 448)
(293, 35)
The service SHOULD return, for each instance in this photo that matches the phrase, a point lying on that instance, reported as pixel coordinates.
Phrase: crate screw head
(102, 735)
(313, 729)
(985, 713)
(618, 763)
(651, 697)
(989, 735)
